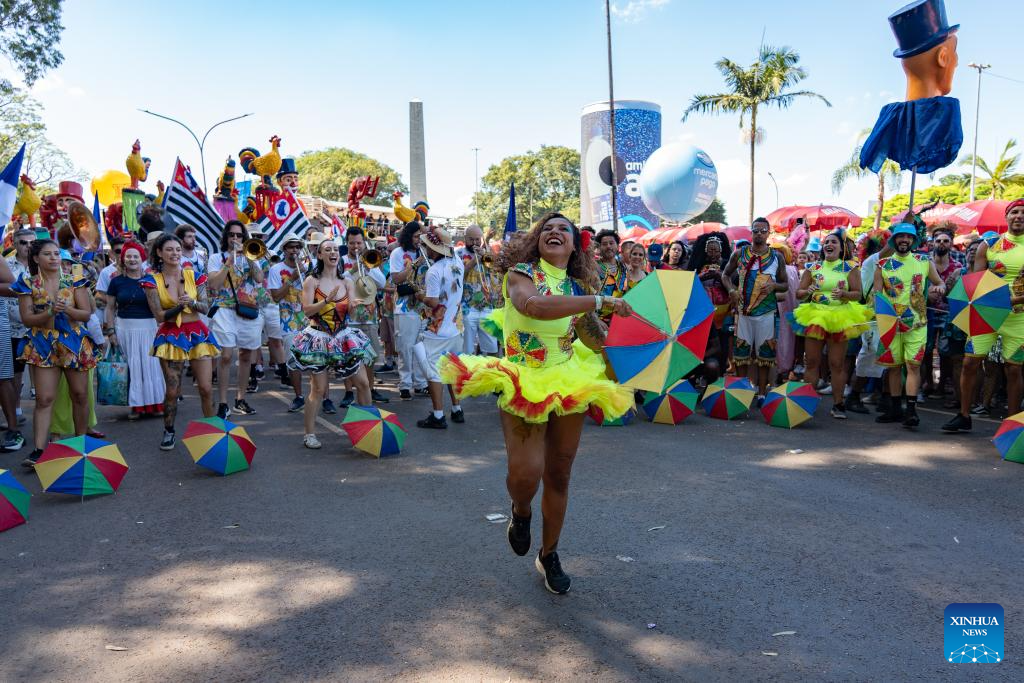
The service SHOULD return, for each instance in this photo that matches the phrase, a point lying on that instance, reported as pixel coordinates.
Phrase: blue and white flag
(9, 186)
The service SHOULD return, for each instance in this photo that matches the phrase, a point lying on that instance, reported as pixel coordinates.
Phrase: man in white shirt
(408, 268)
(190, 251)
(481, 293)
(442, 297)
(363, 315)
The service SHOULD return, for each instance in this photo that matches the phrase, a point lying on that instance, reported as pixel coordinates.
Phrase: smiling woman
(546, 381)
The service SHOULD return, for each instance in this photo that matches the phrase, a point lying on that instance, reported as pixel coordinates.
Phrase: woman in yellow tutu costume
(545, 382)
(177, 297)
(831, 313)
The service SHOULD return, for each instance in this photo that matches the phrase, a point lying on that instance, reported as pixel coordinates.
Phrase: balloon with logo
(678, 182)
(108, 186)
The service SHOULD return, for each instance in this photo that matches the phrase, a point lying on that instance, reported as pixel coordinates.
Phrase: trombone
(366, 288)
(254, 249)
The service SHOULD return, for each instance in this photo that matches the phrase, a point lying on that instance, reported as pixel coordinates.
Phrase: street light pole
(776, 189)
(611, 117)
(200, 144)
(977, 116)
(476, 171)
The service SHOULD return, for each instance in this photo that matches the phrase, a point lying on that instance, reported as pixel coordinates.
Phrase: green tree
(1002, 174)
(21, 122)
(888, 176)
(328, 172)
(713, 214)
(29, 35)
(546, 180)
(768, 82)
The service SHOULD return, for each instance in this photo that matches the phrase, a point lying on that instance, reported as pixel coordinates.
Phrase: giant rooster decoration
(418, 212)
(266, 165)
(28, 201)
(137, 165)
(360, 188)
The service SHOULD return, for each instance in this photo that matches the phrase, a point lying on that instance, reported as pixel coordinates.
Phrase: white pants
(407, 333)
(473, 334)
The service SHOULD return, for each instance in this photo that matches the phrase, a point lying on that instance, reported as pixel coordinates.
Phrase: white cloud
(635, 10)
(52, 83)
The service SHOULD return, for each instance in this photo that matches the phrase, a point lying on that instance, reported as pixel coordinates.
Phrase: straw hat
(437, 239)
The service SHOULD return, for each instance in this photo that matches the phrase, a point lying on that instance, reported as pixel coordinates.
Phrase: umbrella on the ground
(790, 404)
(728, 397)
(598, 416)
(1008, 439)
(890, 323)
(374, 431)
(824, 217)
(13, 501)
(978, 216)
(694, 231)
(979, 303)
(780, 219)
(219, 445)
(739, 232)
(667, 334)
(81, 466)
(673, 406)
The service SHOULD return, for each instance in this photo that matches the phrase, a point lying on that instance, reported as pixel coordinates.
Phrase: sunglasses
(236, 234)
(758, 230)
(23, 243)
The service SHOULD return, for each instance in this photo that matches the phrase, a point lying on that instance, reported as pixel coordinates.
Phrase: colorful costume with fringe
(825, 316)
(1006, 259)
(326, 343)
(65, 345)
(544, 371)
(904, 279)
(176, 340)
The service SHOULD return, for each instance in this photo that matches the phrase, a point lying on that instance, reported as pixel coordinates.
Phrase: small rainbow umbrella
(598, 416)
(1009, 438)
(979, 303)
(81, 466)
(219, 445)
(667, 334)
(373, 430)
(13, 501)
(728, 397)
(790, 404)
(890, 323)
(672, 407)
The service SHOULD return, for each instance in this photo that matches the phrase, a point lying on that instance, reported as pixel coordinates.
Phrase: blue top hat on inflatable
(905, 229)
(287, 166)
(919, 27)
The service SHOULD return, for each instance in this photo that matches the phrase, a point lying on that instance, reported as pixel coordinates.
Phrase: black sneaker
(857, 406)
(959, 423)
(13, 441)
(259, 372)
(298, 403)
(244, 408)
(405, 395)
(838, 411)
(223, 412)
(555, 580)
(431, 422)
(911, 419)
(379, 397)
(424, 392)
(385, 369)
(348, 399)
(167, 443)
(981, 411)
(253, 386)
(519, 533)
(890, 416)
(32, 458)
(884, 401)
(458, 418)
(327, 405)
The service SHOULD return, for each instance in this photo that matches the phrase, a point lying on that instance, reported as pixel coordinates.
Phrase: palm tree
(766, 82)
(1004, 171)
(888, 175)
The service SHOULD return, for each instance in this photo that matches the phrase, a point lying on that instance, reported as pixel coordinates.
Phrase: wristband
(598, 302)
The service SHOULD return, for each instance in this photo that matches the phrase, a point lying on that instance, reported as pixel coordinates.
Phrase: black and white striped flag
(185, 202)
(287, 219)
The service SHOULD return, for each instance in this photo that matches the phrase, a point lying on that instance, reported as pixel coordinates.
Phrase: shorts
(233, 331)
(1012, 352)
(756, 332)
(271, 321)
(906, 348)
(435, 349)
(372, 332)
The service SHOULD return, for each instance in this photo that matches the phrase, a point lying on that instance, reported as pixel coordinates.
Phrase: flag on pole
(9, 186)
(286, 219)
(510, 219)
(97, 216)
(185, 202)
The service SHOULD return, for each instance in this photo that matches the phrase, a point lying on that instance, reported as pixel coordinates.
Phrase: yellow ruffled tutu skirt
(822, 321)
(535, 393)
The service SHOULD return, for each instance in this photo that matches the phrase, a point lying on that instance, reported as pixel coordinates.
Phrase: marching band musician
(363, 313)
(481, 294)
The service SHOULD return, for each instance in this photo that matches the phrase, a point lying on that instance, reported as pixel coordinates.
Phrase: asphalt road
(331, 565)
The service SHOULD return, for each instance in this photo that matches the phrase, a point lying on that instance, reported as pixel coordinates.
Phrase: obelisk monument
(417, 157)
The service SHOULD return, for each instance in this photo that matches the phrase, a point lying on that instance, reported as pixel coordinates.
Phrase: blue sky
(501, 76)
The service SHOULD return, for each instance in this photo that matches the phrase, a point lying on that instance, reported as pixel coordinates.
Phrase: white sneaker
(310, 441)
(825, 390)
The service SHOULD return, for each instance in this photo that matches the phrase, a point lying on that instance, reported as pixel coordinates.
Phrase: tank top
(826, 275)
(1006, 259)
(331, 317)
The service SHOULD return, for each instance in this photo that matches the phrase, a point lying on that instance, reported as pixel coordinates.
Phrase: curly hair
(156, 263)
(699, 257)
(227, 229)
(409, 230)
(524, 248)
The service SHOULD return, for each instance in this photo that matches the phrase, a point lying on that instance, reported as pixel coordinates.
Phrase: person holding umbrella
(1006, 258)
(546, 382)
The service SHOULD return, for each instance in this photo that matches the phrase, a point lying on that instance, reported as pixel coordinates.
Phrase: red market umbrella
(694, 231)
(739, 232)
(932, 216)
(824, 217)
(978, 216)
(633, 234)
(778, 217)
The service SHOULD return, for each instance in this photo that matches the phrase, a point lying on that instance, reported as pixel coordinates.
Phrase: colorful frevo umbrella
(979, 303)
(672, 407)
(891, 321)
(667, 334)
(219, 445)
(81, 466)
(728, 397)
(790, 404)
(13, 501)
(1009, 438)
(598, 416)
(373, 430)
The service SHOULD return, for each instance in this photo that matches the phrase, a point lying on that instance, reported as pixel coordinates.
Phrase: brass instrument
(371, 235)
(81, 226)
(371, 258)
(254, 249)
(487, 261)
(366, 288)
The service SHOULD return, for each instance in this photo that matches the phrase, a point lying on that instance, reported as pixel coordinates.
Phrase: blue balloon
(678, 182)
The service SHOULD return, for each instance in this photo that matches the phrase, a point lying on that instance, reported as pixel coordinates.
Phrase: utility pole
(476, 172)
(776, 189)
(977, 116)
